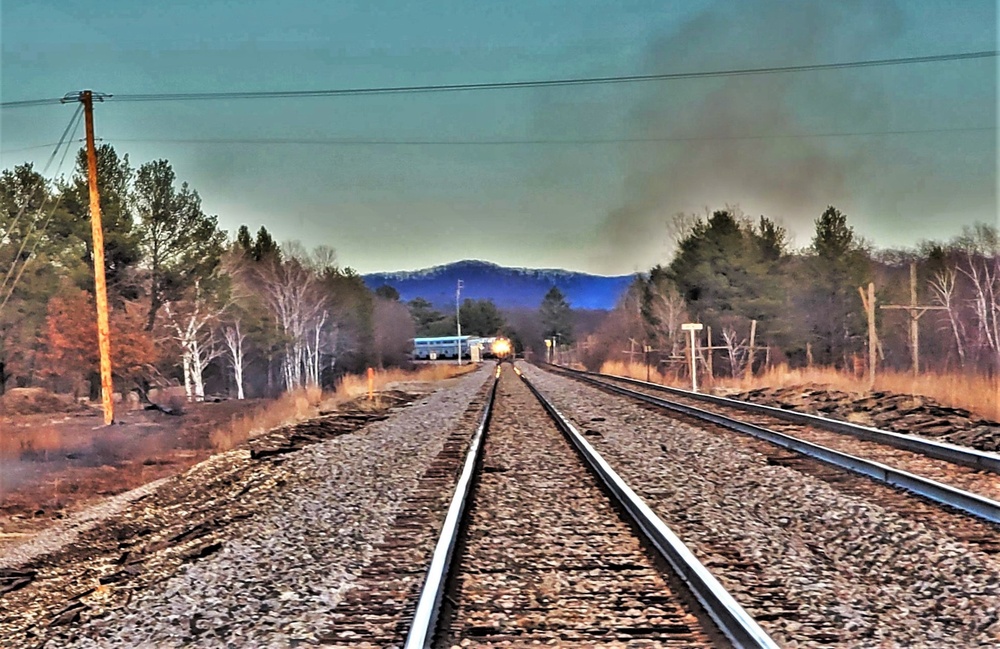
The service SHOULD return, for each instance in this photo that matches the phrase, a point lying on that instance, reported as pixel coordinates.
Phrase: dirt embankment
(914, 415)
(53, 464)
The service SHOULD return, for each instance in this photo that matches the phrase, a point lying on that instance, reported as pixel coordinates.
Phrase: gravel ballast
(280, 572)
(815, 564)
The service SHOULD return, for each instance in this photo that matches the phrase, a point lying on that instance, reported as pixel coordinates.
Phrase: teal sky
(583, 206)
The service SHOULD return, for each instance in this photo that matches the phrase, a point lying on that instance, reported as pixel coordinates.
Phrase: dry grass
(356, 385)
(287, 409)
(978, 394)
(33, 440)
(306, 403)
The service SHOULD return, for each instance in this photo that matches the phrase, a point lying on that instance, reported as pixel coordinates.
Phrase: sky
(584, 177)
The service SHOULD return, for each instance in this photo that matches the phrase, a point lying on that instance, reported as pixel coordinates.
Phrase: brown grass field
(977, 394)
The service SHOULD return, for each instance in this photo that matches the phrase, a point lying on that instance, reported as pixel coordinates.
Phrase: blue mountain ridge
(509, 288)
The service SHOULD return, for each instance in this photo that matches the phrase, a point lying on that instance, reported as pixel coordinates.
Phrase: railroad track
(964, 479)
(543, 543)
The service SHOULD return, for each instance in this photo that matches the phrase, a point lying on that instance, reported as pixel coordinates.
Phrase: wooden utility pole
(869, 304)
(915, 310)
(100, 284)
(710, 353)
(753, 348)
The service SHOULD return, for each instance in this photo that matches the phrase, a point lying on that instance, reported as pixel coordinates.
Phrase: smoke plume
(721, 150)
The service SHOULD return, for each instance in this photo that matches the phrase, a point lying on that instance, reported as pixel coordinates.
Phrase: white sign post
(693, 327)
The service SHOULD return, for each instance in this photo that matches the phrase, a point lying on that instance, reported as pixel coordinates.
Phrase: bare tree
(982, 268)
(192, 324)
(665, 313)
(292, 290)
(943, 287)
(737, 350)
(234, 338)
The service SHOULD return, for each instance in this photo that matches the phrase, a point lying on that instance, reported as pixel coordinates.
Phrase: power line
(74, 125)
(514, 142)
(28, 148)
(74, 121)
(537, 83)
(27, 103)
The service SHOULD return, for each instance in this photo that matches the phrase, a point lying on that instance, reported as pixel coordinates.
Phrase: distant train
(446, 347)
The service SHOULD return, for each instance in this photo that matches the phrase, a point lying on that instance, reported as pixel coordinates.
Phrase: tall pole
(100, 285)
(694, 364)
(915, 310)
(868, 302)
(458, 319)
(692, 327)
(914, 319)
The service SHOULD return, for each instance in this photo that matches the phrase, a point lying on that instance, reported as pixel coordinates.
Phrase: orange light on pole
(100, 284)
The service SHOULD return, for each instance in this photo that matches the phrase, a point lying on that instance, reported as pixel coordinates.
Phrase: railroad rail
(970, 457)
(490, 560)
(943, 494)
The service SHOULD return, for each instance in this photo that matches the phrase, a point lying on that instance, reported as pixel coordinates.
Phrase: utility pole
(753, 349)
(915, 310)
(868, 302)
(86, 97)
(458, 318)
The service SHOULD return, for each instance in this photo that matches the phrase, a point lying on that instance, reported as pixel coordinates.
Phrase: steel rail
(731, 618)
(974, 458)
(424, 624)
(964, 501)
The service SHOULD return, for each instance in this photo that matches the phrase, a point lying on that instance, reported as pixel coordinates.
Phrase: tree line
(189, 304)
(729, 271)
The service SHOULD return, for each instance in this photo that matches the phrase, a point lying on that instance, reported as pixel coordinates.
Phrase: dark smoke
(788, 179)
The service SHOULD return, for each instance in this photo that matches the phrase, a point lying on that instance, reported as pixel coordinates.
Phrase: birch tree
(294, 294)
(192, 324)
(234, 337)
(943, 288)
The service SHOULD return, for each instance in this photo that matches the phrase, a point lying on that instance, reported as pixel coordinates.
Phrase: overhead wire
(531, 83)
(585, 141)
(73, 121)
(74, 125)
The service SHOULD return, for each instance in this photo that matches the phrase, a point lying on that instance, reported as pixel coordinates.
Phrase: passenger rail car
(440, 347)
(446, 347)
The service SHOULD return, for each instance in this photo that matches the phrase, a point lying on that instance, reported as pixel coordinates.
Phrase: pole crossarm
(915, 311)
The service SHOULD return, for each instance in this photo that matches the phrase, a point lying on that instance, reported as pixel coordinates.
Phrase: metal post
(100, 283)
(692, 327)
(694, 365)
(458, 319)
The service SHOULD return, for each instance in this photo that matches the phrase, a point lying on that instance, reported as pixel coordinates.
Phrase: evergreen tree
(556, 316)
(481, 318)
(121, 241)
(180, 243)
(837, 266)
(387, 292)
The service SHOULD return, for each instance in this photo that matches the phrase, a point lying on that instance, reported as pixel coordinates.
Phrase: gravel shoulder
(816, 564)
(268, 542)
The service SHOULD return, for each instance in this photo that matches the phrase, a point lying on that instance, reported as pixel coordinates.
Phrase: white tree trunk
(943, 285)
(234, 338)
(186, 364)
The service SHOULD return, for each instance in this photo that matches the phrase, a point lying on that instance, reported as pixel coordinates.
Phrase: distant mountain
(507, 287)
